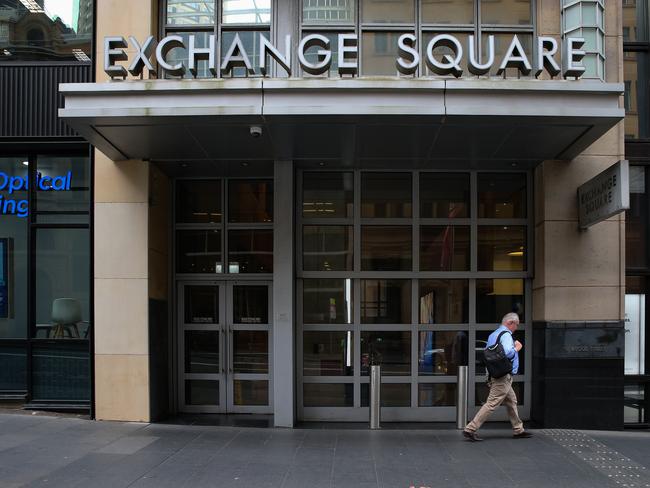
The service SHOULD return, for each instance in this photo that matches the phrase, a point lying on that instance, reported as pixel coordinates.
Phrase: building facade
(287, 192)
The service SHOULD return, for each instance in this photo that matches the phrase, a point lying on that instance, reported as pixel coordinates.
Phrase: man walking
(501, 388)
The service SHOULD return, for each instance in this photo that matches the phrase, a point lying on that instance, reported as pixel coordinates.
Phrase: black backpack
(496, 361)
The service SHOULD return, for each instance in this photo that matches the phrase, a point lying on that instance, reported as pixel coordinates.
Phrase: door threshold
(222, 420)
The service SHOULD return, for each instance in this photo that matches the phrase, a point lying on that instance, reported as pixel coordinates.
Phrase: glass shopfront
(45, 279)
(410, 270)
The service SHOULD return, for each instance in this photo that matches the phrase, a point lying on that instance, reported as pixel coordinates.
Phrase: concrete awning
(421, 120)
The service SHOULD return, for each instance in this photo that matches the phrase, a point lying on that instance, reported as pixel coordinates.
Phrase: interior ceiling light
(32, 6)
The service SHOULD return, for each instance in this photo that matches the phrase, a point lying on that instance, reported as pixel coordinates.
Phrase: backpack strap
(499, 337)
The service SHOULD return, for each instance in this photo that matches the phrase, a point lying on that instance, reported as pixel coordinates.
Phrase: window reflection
(250, 40)
(388, 11)
(392, 394)
(327, 301)
(190, 12)
(251, 392)
(250, 304)
(501, 248)
(328, 353)
(250, 349)
(390, 350)
(250, 251)
(444, 301)
(330, 12)
(386, 301)
(448, 11)
(198, 201)
(386, 248)
(250, 201)
(386, 195)
(440, 51)
(502, 195)
(379, 53)
(202, 351)
(328, 394)
(327, 248)
(636, 220)
(46, 30)
(180, 55)
(198, 251)
(201, 304)
(506, 12)
(440, 353)
(444, 195)
(444, 248)
(636, 68)
(437, 395)
(327, 194)
(246, 11)
(495, 298)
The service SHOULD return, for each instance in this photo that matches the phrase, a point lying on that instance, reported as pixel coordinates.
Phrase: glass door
(224, 339)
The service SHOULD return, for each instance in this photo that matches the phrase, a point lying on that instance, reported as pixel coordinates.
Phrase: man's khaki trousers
(500, 392)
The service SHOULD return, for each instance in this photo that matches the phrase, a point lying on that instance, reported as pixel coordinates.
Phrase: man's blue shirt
(508, 345)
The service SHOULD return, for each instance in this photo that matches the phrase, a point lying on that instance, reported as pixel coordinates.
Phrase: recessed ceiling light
(25, 163)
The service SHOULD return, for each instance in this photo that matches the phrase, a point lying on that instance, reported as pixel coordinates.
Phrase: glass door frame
(226, 329)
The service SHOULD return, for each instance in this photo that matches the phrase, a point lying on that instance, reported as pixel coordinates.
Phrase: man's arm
(508, 345)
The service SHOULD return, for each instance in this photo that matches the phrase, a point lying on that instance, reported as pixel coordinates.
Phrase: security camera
(256, 131)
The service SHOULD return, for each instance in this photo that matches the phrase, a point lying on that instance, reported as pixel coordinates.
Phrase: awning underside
(425, 122)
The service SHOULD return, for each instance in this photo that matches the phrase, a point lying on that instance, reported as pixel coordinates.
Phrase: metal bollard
(461, 398)
(375, 397)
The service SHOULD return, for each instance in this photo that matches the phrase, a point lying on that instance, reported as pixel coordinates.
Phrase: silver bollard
(375, 397)
(461, 398)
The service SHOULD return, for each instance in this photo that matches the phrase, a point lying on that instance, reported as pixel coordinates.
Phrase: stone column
(283, 296)
(122, 250)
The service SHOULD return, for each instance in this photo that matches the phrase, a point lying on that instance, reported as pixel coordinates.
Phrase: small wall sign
(605, 195)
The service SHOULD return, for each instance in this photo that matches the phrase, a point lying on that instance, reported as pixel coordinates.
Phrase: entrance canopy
(425, 121)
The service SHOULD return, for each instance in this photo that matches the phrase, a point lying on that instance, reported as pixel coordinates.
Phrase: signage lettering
(604, 195)
(14, 184)
(315, 54)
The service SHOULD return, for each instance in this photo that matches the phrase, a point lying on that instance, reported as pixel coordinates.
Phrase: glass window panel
(251, 392)
(636, 403)
(250, 201)
(250, 350)
(636, 220)
(13, 253)
(440, 51)
(179, 54)
(448, 11)
(327, 194)
(591, 37)
(246, 11)
(501, 248)
(251, 42)
(201, 304)
(386, 248)
(198, 201)
(501, 45)
(187, 12)
(388, 11)
(62, 283)
(572, 18)
(328, 394)
(202, 351)
(327, 353)
(636, 324)
(390, 350)
(482, 391)
(481, 342)
(379, 52)
(392, 394)
(589, 14)
(441, 352)
(495, 298)
(198, 251)
(250, 251)
(502, 195)
(327, 248)
(591, 64)
(444, 195)
(46, 30)
(327, 301)
(331, 12)
(61, 372)
(444, 301)
(437, 395)
(636, 69)
(385, 301)
(13, 368)
(63, 184)
(250, 304)
(386, 195)
(444, 248)
(201, 392)
(506, 12)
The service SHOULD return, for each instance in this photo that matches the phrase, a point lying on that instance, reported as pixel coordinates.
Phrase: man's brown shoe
(471, 436)
(523, 435)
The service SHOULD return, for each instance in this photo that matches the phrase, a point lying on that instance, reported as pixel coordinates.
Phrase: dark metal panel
(30, 99)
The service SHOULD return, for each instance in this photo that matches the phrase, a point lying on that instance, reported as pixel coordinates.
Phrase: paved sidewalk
(45, 451)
